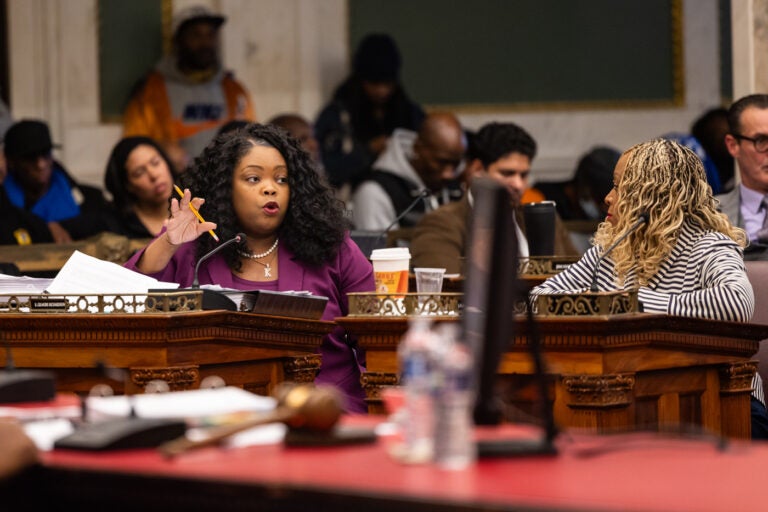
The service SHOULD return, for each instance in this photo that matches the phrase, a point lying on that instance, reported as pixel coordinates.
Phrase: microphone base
(211, 299)
(216, 300)
(26, 386)
(124, 433)
(507, 448)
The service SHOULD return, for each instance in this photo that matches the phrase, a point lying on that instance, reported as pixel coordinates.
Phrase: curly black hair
(496, 140)
(116, 175)
(315, 223)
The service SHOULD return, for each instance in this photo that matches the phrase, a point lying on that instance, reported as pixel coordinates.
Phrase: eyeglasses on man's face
(760, 142)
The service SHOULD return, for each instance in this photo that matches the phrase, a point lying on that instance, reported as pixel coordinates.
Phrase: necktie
(762, 233)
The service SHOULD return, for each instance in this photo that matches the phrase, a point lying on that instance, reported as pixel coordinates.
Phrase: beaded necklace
(256, 257)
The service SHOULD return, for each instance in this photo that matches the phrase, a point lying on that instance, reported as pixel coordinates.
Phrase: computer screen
(489, 290)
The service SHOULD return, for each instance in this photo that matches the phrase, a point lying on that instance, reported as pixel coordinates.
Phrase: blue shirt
(752, 212)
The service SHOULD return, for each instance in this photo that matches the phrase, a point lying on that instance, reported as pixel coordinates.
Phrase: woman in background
(259, 181)
(686, 259)
(139, 177)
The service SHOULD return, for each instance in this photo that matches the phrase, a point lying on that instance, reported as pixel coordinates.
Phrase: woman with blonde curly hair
(686, 260)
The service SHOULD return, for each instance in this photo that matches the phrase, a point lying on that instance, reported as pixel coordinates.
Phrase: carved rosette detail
(737, 377)
(178, 377)
(373, 382)
(599, 391)
(302, 368)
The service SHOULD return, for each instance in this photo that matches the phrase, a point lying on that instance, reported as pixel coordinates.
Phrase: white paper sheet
(186, 405)
(83, 274)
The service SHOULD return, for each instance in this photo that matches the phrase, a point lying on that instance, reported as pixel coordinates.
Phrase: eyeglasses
(760, 142)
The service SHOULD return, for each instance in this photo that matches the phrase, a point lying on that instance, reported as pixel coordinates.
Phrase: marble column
(749, 27)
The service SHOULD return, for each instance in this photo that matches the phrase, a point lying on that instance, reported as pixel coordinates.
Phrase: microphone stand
(422, 195)
(211, 298)
(527, 447)
(641, 219)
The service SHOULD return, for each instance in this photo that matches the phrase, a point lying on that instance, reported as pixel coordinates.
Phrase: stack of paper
(23, 285)
(83, 274)
(188, 405)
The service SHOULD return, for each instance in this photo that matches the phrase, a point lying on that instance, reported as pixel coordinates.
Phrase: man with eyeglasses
(747, 204)
(416, 173)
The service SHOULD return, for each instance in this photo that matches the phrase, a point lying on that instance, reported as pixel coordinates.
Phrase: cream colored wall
(290, 54)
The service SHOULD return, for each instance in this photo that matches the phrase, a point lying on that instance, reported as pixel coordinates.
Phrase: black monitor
(490, 292)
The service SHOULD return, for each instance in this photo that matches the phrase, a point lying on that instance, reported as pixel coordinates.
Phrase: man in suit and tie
(747, 141)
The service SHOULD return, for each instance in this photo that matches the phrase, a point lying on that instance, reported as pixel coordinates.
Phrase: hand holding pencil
(186, 223)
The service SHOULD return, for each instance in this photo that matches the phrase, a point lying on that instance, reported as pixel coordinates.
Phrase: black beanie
(377, 59)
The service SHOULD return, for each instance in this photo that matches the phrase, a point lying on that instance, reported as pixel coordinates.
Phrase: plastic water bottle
(417, 373)
(454, 442)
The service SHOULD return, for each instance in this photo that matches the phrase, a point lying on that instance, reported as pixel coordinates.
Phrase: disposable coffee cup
(540, 228)
(390, 269)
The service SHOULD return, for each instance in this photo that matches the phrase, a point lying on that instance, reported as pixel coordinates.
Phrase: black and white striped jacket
(703, 277)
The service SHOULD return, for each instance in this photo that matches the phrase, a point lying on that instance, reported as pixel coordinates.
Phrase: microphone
(641, 219)
(237, 239)
(422, 195)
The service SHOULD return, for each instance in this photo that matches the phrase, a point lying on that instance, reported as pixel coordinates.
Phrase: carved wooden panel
(178, 377)
(737, 377)
(599, 391)
(302, 369)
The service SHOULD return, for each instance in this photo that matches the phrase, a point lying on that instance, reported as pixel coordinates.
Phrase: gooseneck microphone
(641, 219)
(237, 239)
(422, 195)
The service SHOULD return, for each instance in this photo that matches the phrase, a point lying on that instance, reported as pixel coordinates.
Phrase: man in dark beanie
(366, 108)
(40, 185)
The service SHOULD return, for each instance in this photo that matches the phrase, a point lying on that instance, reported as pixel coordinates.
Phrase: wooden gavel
(300, 406)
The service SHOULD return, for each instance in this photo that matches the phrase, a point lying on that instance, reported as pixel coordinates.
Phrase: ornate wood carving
(302, 368)
(737, 377)
(599, 391)
(579, 333)
(376, 304)
(373, 382)
(177, 377)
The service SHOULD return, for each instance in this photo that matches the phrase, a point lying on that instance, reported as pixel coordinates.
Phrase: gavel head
(316, 408)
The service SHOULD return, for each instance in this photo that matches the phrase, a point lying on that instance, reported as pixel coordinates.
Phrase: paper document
(12, 285)
(83, 274)
(186, 405)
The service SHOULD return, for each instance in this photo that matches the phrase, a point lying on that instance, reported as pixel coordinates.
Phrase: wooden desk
(639, 472)
(610, 373)
(247, 350)
(47, 259)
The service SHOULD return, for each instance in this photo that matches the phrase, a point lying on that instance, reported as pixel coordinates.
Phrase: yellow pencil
(197, 213)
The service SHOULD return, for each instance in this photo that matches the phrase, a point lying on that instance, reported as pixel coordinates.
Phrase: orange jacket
(149, 111)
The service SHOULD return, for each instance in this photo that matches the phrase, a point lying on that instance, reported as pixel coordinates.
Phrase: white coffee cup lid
(391, 253)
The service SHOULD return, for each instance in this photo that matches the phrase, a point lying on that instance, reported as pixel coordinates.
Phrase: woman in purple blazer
(257, 180)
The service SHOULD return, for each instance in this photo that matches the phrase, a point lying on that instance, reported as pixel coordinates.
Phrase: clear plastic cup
(428, 281)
